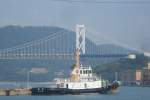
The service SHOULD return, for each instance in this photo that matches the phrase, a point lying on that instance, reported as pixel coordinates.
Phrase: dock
(15, 92)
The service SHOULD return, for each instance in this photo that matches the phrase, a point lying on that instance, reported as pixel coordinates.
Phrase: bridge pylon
(80, 38)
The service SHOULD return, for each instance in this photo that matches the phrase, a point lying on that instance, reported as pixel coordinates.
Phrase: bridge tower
(80, 49)
(80, 38)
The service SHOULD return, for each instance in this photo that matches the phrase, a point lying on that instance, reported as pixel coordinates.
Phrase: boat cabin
(85, 73)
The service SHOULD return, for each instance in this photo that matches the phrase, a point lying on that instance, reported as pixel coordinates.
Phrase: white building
(147, 54)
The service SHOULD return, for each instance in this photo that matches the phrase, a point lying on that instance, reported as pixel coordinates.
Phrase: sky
(125, 24)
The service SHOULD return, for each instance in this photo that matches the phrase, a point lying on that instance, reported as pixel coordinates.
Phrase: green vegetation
(108, 70)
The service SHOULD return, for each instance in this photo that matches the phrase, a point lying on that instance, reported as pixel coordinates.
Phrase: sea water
(124, 93)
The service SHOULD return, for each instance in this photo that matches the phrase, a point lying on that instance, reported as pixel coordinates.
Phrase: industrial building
(136, 77)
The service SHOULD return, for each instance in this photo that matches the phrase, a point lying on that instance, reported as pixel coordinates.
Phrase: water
(125, 93)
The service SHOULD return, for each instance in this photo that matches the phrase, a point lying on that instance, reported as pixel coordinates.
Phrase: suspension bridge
(58, 45)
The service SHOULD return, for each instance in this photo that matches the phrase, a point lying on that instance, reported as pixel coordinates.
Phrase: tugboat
(81, 80)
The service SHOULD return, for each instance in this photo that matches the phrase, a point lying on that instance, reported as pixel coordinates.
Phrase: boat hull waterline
(63, 91)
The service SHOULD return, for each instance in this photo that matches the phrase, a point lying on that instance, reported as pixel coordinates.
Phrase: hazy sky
(125, 24)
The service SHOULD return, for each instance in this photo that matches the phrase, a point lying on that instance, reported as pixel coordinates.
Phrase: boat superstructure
(86, 81)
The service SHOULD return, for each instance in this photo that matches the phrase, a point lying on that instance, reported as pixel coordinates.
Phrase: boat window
(85, 85)
(90, 71)
(80, 71)
(84, 72)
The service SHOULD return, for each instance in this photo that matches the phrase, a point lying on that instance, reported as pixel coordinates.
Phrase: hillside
(108, 70)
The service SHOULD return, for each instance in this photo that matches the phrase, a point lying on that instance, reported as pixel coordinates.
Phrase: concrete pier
(15, 92)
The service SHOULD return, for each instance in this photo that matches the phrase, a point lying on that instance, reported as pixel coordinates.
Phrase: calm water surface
(125, 93)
